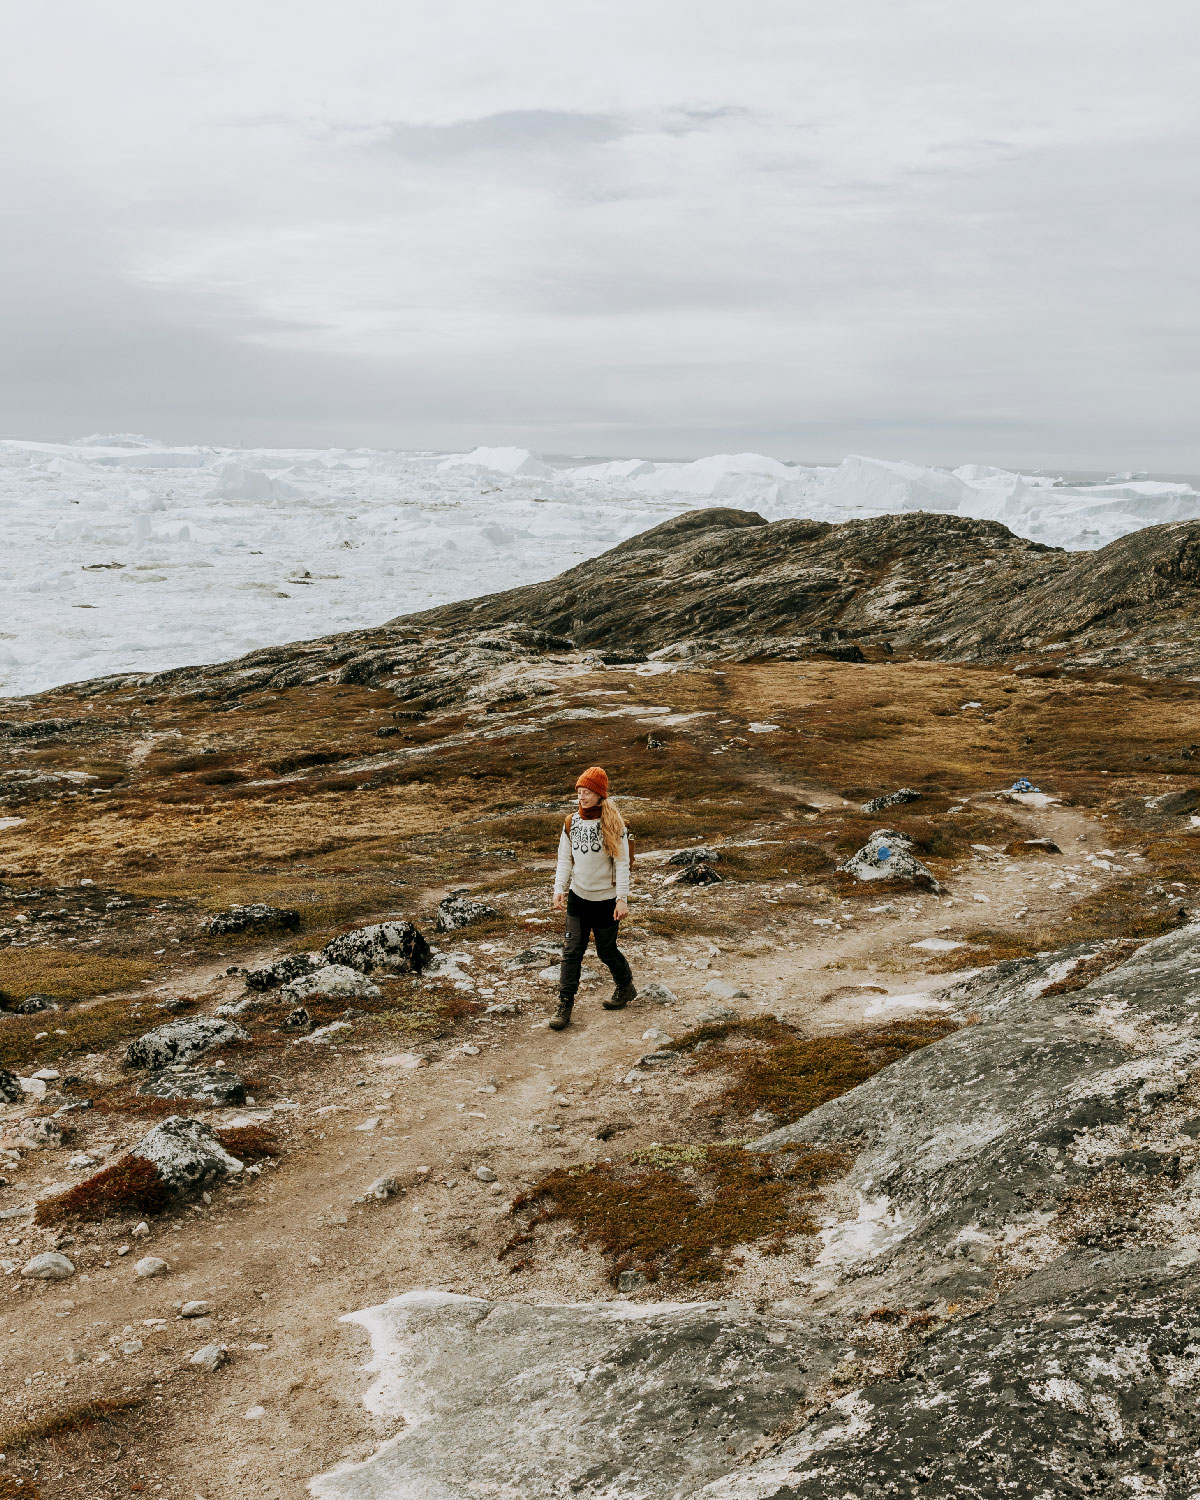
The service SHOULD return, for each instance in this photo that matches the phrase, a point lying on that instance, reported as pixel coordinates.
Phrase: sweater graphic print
(585, 867)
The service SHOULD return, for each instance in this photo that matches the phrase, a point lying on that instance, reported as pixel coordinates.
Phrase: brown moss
(684, 1218)
(1092, 968)
(249, 1142)
(67, 1420)
(789, 1075)
(130, 1185)
(12, 1488)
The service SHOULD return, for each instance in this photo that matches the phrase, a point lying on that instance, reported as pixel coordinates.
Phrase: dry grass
(66, 1420)
(89, 1029)
(250, 1143)
(684, 1219)
(66, 975)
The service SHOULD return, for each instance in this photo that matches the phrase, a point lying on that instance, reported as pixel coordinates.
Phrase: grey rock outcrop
(181, 1041)
(331, 979)
(11, 1091)
(396, 947)
(503, 1398)
(891, 799)
(255, 917)
(1032, 1179)
(700, 854)
(887, 855)
(204, 1085)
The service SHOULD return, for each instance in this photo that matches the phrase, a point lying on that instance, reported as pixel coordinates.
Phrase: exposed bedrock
(1032, 1182)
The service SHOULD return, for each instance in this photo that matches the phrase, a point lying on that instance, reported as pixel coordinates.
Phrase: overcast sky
(935, 229)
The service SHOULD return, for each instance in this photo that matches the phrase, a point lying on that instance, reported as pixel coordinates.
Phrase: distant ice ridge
(123, 554)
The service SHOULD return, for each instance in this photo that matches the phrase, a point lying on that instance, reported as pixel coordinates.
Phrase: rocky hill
(726, 582)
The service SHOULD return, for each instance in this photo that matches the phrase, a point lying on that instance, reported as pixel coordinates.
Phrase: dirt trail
(283, 1256)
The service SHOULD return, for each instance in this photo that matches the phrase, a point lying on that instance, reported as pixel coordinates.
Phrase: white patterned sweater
(585, 868)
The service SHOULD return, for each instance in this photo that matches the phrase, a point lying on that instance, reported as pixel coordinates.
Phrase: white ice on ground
(122, 554)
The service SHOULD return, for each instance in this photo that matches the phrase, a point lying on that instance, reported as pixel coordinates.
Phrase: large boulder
(397, 947)
(887, 855)
(332, 979)
(181, 1041)
(187, 1153)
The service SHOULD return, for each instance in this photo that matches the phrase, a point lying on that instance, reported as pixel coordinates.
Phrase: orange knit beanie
(595, 779)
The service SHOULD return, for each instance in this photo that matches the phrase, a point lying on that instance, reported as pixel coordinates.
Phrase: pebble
(49, 1266)
(724, 989)
(372, 1124)
(47, 1075)
(151, 1265)
(485, 1174)
(140, 1230)
(210, 1358)
(195, 1310)
(716, 1014)
(383, 1188)
(132, 1346)
(253, 1413)
(470, 1050)
(81, 1162)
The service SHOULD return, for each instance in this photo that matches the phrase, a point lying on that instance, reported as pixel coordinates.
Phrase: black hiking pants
(585, 919)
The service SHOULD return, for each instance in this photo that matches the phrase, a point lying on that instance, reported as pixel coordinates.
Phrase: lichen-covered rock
(204, 1085)
(11, 1091)
(457, 911)
(891, 799)
(701, 854)
(41, 1131)
(282, 971)
(181, 1041)
(601, 1399)
(256, 917)
(397, 947)
(331, 979)
(32, 1005)
(696, 873)
(187, 1154)
(887, 855)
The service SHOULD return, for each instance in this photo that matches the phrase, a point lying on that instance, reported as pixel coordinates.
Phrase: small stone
(151, 1265)
(657, 993)
(630, 1281)
(47, 1075)
(383, 1188)
(195, 1309)
(210, 1358)
(81, 1162)
(891, 799)
(41, 1132)
(132, 1346)
(723, 989)
(49, 1266)
(716, 1015)
(122, 1249)
(140, 1230)
(485, 1174)
(253, 1413)
(470, 1050)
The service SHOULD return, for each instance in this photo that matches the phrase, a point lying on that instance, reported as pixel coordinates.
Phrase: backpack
(628, 837)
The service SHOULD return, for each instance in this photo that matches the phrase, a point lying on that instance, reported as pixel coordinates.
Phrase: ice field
(121, 554)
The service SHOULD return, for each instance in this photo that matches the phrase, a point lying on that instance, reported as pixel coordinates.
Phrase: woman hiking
(592, 884)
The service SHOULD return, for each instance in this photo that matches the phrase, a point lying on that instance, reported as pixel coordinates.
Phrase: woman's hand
(560, 901)
(621, 910)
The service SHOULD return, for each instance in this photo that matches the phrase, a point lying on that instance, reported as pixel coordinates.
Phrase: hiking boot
(561, 1018)
(621, 997)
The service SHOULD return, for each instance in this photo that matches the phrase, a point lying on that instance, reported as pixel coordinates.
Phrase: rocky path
(473, 1121)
